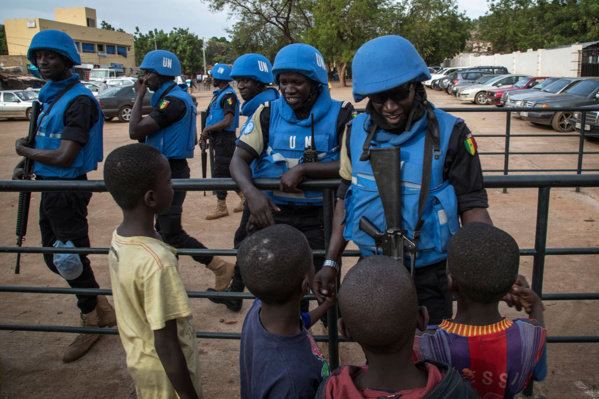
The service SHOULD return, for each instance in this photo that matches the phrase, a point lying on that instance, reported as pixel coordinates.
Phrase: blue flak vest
(440, 214)
(287, 140)
(49, 135)
(178, 140)
(217, 113)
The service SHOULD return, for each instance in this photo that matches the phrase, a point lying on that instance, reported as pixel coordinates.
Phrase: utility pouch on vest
(69, 265)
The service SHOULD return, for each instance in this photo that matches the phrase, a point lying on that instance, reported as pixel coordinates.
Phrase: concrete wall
(543, 62)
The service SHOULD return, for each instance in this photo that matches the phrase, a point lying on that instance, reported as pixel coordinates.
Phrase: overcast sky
(150, 14)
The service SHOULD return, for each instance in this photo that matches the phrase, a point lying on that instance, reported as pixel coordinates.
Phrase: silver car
(478, 93)
(16, 103)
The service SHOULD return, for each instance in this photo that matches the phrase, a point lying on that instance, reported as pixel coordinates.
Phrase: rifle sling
(62, 93)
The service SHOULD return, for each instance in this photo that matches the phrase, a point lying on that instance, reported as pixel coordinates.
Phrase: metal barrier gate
(543, 183)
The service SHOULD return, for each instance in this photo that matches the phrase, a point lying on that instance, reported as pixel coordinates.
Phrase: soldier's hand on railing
(291, 178)
(261, 207)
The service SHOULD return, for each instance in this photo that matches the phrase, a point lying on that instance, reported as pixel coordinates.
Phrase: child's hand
(513, 301)
(527, 298)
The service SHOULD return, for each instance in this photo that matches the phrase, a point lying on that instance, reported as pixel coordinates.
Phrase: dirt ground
(31, 365)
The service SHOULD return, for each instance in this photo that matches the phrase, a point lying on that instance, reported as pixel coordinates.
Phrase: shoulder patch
(229, 101)
(470, 144)
(163, 104)
(248, 128)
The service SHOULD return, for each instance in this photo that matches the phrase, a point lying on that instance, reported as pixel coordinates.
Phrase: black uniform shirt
(173, 112)
(81, 114)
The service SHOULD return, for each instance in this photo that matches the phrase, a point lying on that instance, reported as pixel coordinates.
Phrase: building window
(91, 22)
(87, 48)
(121, 51)
(100, 47)
(110, 49)
(31, 23)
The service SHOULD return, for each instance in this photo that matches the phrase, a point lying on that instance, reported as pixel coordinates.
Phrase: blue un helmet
(384, 63)
(301, 58)
(161, 62)
(56, 41)
(221, 72)
(253, 66)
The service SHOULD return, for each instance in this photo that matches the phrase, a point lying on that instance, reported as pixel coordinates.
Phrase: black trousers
(168, 224)
(433, 291)
(63, 216)
(224, 146)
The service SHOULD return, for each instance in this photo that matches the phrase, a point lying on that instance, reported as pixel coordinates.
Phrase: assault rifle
(25, 197)
(386, 166)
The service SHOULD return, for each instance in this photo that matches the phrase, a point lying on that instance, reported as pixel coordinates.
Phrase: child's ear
(422, 318)
(306, 286)
(342, 330)
(450, 283)
(150, 199)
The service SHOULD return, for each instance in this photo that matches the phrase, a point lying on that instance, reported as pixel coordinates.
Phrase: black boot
(237, 285)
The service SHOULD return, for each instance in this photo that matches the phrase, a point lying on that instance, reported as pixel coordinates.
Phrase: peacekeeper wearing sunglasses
(389, 71)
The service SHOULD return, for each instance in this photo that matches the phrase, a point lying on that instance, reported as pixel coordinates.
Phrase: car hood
(503, 90)
(524, 93)
(563, 99)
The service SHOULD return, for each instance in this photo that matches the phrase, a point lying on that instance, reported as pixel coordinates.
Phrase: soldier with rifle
(413, 215)
(274, 144)
(253, 74)
(68, 145)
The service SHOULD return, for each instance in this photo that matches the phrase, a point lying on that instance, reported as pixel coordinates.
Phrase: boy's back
(148, 291)
(498, 358)
(278, 366)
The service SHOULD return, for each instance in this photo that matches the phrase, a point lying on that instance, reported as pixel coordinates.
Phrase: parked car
(118, 101)
(494, 96)
(492, 69)
(16, 103)
(478, 93)
(585, 92)
(95, 87)
(441, 74)
(465, 78)
(558, 86)
(591, 122)
(120, 82)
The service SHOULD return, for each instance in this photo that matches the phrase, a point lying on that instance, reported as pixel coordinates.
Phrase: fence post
(581, 146)
(506, 156)
(328, 211)
(538, 267)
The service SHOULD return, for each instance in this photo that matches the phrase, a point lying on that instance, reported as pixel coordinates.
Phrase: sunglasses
(399, 94)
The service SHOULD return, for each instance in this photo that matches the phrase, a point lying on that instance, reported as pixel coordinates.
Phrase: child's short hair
(483, 260)
(379, 304)
(273, 262)
(130, 171)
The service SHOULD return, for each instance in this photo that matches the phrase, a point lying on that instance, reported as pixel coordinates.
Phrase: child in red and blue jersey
(498, 355)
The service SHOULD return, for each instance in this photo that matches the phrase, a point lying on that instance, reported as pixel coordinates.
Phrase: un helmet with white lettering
(162, 62)
(253, 66)
(56, 41)
(301, 58)
(221, 72)
(384, 63)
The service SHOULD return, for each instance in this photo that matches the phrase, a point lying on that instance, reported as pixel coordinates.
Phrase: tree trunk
(341, 69)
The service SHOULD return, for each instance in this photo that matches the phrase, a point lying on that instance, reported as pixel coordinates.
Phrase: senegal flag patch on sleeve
(163, 104)
(229, 101)
(470, 144)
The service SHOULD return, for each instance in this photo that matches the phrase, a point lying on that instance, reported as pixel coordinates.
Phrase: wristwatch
(332, 263)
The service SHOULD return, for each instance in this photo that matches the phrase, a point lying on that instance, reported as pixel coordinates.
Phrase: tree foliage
(107, 26)
(517, 25)
(3, 45)
(219, 50)
(184, 44)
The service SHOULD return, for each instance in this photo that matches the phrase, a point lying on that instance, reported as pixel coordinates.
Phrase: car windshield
(557, 86)
(110, 92)
(584, 88)
(522, 82)
(546, 83)
(484, 79)
(26, 95)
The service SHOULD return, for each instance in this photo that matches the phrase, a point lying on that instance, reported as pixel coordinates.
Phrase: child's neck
(137, 223)
(391, 372)
(281, 319)
(477, 314)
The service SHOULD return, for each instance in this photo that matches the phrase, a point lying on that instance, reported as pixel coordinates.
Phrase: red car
(494, 96)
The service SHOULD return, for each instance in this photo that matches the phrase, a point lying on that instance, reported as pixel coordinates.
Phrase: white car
(478, 93)
(118, 82)
(16, 103)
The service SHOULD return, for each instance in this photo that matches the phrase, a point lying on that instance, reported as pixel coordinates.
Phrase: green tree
(249, 35)
(219, 50)
(3, 45)
(184, 44)
(107, 26)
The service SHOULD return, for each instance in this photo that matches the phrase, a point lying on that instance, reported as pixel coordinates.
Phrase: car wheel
(28, 113)
(125, 113)
(561, 122)
(480, 98)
